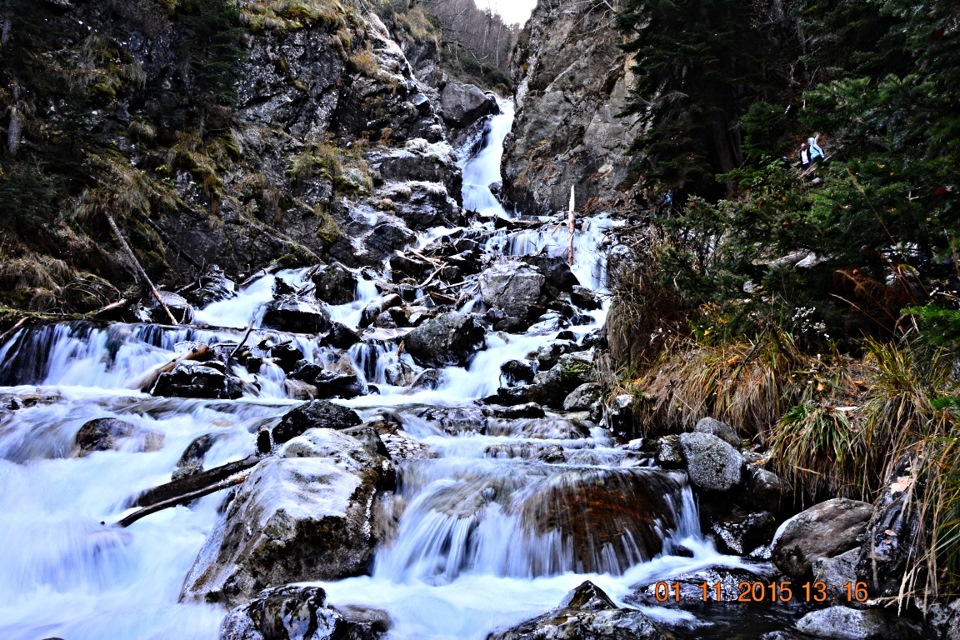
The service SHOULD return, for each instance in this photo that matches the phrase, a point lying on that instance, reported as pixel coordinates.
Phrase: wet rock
(514, 372)
(766, 490)
(837, 571)
(844, 623)
(212, 286)
(619, 416)
(558, 276)
(824, 530)
(403, 266)
(891, 532)
(512, 286)
(712, 464)
(668, 454)
(300, 613)
(429, 379)
(449, 339)
(181, 310)
(692, 595)
(329, 384)
(742, 532)
(314, 414)
(335, 284)
(387, 237)
(377, 306)
(463, 104)
(551, 453)
(527, 410)
(110, 434)
(583, 397)
(300, 390)
(399, 374)
(571, 371)
(191, 460)
(549, 354)
(586, 612)
(305, 515)
(584, 298)
(340, 336)
(420, 204)
(943, 621)
(286, 355)
(296, 314)
(192, 379)
(720, 429)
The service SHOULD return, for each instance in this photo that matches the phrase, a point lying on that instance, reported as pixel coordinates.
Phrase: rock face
(306, 515)
(824, 530)
(297, 613)
(586, 612)
(713, 465)
(449, 339)
(572, 81)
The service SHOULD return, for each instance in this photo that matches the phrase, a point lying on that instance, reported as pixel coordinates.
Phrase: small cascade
(510, 507)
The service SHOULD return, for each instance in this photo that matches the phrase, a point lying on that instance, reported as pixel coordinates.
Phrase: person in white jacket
(816, 153)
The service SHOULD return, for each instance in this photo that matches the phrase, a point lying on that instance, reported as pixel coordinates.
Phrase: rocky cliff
(572, 81)
(212, 132)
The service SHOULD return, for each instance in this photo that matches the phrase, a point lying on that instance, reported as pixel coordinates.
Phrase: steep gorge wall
(572, 82)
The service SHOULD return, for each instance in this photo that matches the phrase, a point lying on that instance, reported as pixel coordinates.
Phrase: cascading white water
(481, 539)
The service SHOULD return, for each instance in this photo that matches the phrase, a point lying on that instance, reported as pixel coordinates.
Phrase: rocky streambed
(419, 449)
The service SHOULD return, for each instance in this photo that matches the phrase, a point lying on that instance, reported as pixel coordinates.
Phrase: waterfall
(505, 518)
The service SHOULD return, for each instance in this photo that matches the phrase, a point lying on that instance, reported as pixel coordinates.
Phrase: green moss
(327, 228)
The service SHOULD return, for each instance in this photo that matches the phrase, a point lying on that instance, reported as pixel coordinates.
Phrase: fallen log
(173, 502)
(138, 267)
(191, 484)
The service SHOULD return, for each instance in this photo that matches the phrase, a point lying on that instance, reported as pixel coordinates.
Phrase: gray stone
(824, 530)
(720, 429)
(583, 397)
(194, 379)
(463, 104)
(619, 416)
(766, 490)
(836, 572)
(844, 623)
(335, 284)
(668, 452)
(109, 434)
(450, 339)
(571, 371)
(300, 613)
(512, 286)
(741, 533)
(712, 464)
(296, 314)
(310, 415)
(585, 613)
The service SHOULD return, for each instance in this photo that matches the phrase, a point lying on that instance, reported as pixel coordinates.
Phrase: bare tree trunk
(138, 266)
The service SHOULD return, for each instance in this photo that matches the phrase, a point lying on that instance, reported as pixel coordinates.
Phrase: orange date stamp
(756, 591)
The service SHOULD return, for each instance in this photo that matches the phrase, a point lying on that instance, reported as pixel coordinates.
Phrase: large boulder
(513, 287)
(585, 613)
(299, 613)
(844, 623)
(712, 464)
(449, 339)
(720, 429)
(305, 515)
(297, 314)
(554, 385)
(463, 104)
(824, 530)
(318, 414)
(213, 285)
(193, 379)
(108, 434)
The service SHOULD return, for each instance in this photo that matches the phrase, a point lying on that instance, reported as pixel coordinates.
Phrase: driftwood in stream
(189, 485)
(139, 268)
(146, 382)
(182, 499)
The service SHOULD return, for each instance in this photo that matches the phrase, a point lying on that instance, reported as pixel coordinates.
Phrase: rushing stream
(464, 559)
